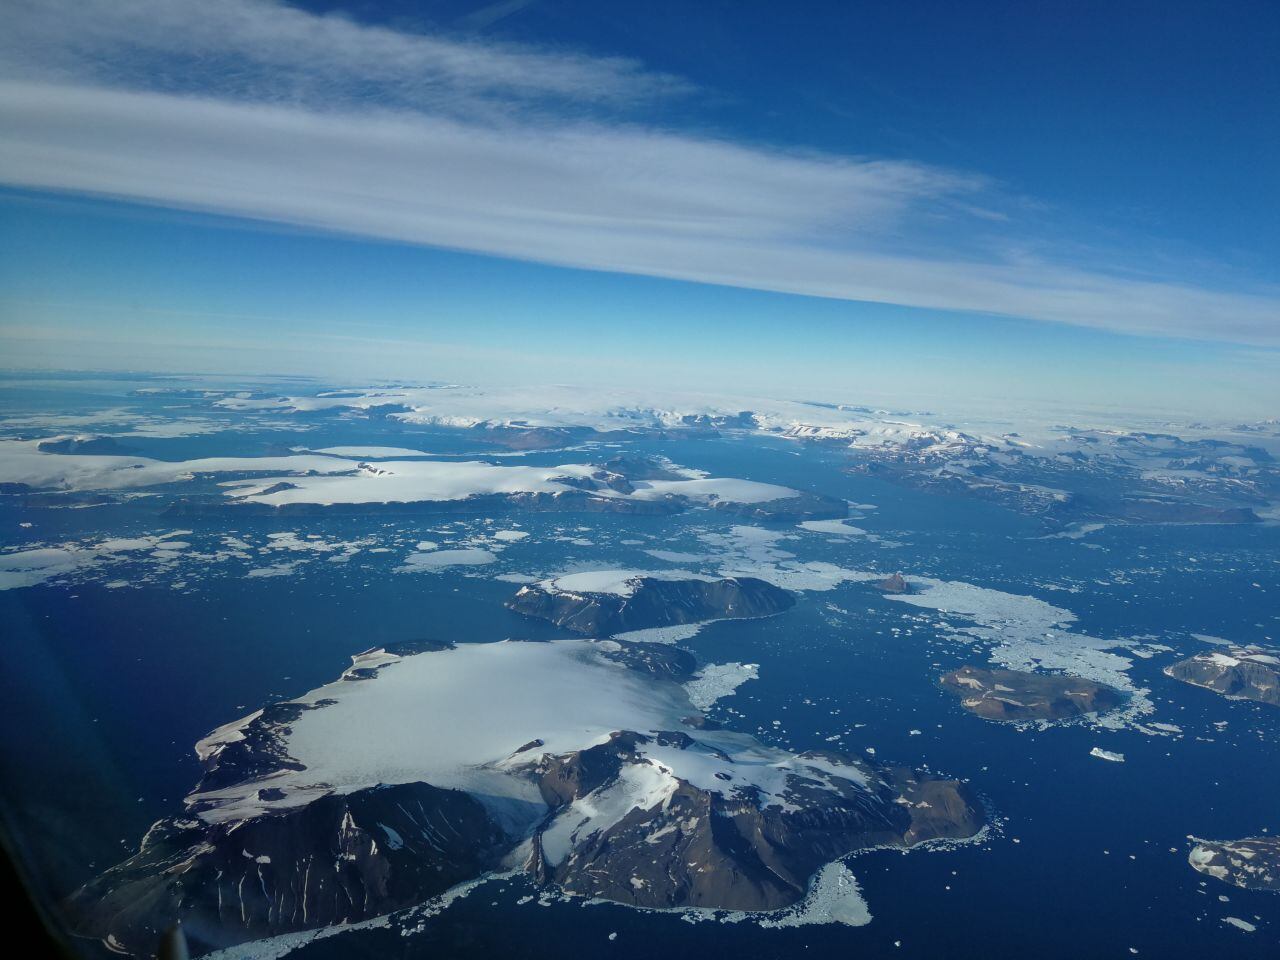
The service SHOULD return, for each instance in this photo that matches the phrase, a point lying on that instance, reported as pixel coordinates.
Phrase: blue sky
(929, 200)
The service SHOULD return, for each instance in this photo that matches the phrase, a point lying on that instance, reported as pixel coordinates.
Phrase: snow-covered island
(583, 764)
(1239, 672)
(606, 602)
(1252, 863)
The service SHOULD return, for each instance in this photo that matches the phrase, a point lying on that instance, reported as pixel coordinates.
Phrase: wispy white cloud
(270, 50)
(256, 109)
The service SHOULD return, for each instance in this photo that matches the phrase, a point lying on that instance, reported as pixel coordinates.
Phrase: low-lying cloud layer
(256, 109)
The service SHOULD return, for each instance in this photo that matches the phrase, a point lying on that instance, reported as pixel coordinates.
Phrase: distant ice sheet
(370, 453)
(335, 475)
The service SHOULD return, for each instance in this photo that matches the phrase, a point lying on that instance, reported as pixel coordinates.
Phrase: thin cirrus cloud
(269, 50)
(256, 109)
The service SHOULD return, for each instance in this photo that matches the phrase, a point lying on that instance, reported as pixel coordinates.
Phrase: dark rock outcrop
(803, 506)
(339, 859)
(532, 438)
(100, 446)
(940, 809)
(70, 499)
(659, 660)
(641, 468)
(653, 603)
(704, 848)
(1177, 511)
(1013, 696)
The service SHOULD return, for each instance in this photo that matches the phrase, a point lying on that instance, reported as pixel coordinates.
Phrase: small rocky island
(1015, 696)
(83, 445)
(1241, 673)
(581, 763)
(894, 584)
(605, 602)
(1252, 863)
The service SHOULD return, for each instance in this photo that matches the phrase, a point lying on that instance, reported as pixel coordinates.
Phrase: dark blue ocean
(106, 690)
